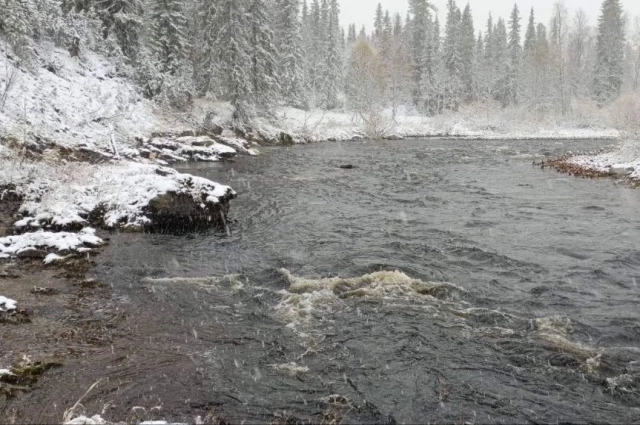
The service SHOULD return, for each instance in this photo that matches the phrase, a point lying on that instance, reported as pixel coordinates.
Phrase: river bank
(621, 162)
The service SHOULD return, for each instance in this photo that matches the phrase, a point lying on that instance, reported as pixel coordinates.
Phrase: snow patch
(55, 258)
(83, 420)
(7, 304)
(5, 372)
(291, 369)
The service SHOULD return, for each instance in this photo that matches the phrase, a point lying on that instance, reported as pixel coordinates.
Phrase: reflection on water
(440, 281)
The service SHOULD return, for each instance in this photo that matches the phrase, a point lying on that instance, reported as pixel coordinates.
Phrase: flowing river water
(475, 287)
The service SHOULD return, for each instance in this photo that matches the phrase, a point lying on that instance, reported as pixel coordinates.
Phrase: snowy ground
(73, 102)
(623, 161)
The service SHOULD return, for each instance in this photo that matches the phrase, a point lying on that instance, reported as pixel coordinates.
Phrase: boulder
(176, 212)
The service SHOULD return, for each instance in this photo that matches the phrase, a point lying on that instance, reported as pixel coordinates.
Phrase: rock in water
(182, 212)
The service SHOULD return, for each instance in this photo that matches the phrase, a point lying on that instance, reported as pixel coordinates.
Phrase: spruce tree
(123, 18)
(232, 49)
(397, 25)
(352, 35)
(489, 42)
(419, 45)
(205, 66)
(467, 52)
(480, 69)
(290, 70)
(452, 57)
(501, 61)
(332, 80)
(362, 35)
(515, 55)
(530, 36)
(168, 34)
(378, 24)
(451, 48)
(314, 55)
(15, 23)
(263, 55)
(610, 52)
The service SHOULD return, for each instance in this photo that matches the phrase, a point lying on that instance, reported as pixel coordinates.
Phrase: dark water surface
(544, 325)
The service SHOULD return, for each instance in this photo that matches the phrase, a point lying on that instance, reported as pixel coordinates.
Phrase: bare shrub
(11, 77)
(376, 125)
(624, 115)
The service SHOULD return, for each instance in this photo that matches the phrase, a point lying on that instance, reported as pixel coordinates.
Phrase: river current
(433, 281)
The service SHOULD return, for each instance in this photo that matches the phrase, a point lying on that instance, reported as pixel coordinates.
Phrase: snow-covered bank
(73, 102)
(622, 162)
(28, 243)
(126, 194)
(316, 126)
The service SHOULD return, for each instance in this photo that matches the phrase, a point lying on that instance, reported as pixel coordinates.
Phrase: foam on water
(234, 282)
(307, 297)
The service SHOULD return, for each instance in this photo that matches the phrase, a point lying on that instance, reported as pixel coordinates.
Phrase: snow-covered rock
(60, 242)
(240, 145)
(187, 148)
(125, 194)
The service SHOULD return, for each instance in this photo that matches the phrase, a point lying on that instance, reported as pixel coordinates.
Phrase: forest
(258, 54)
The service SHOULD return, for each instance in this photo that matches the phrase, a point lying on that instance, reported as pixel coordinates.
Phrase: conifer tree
(290, 72)
(205, 66)
(419, 45)
(378, 24)
(232, 49)
(262, 54)
(610, 52)
(168, 34)
(397, 25)
(467, 52)
(515, 55)
(16, 25)
(123, 18)
(501, 60)
(333, 57)
(452, 57)
(530, 36)
(489, 42)
(352, 35)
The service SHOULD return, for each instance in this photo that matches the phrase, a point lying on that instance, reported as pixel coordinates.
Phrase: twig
(69, 413)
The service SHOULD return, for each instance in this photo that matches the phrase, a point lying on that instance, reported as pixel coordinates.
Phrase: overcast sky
(362, 12)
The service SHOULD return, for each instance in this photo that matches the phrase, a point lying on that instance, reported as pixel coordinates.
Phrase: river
(516, 298)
